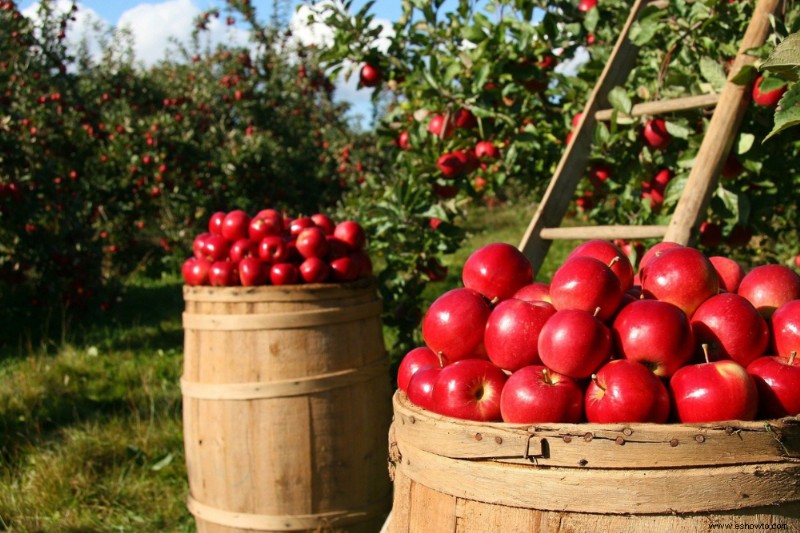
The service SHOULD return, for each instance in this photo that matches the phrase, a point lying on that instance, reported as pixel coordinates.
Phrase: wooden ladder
(730, 105)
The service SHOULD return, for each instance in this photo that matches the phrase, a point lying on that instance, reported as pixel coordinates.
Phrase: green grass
(90, 425)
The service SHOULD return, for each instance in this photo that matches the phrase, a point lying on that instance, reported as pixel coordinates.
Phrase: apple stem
(546, 374)
(440, 355)
(494, 301)
(613, 261)
(594, 379)
(792, 357)
(596, 311)
(705, 352)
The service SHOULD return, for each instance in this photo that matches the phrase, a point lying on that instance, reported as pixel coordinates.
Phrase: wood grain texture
(281, 430)
(627, 477)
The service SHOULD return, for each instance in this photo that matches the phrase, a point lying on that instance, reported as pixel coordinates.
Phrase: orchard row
(686, 338)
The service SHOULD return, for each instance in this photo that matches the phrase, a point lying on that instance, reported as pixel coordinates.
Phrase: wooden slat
(721, 132)
(604, 232)
(570, 169)
(662, 107)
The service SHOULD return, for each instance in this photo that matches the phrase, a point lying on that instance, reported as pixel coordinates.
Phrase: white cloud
(85, 27)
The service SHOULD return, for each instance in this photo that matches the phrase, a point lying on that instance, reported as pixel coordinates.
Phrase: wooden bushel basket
(469, 477)
(286, 406)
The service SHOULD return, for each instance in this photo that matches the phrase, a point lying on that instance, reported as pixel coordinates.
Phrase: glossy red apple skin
(215, 223)
(344, 269)
(624, 391)
(312, 242)
(470, 390)
(266, 222)
(216, 248)
(610, 255)
(241, 249)
(421, 385)
(731, 328)
(235, 225)
(486, 150)
(768, 287)
(713, 392)
(778, 381)
(656, 334)
(534, 292)
(656, 135)
(362, 263)
(370, 75)
(534, 394)
(314, 270)
(252, 272)
(440, 126)
(655, 251)
(729, 271)
(325, 222)
(585, 283)
(416, 359)
(351, 233)
(785, 329)
(574, 343)
(195, 271)
(681, 276)
(454, 324)
(273, 249)
(497, 271)
(199, 245)
(512, 332)
(283, 274)
(585, 6)
(223, 274)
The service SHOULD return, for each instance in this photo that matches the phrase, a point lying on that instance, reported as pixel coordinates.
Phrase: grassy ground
(90, 426)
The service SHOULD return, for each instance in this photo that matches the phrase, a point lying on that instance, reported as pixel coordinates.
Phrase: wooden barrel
(286, 407)
(453, 475)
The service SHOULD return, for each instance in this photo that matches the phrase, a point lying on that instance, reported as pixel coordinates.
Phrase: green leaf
(745, 75)
(771, 83)
(744, 143)
(677, 130)
(712, 72)
(473, 34)
(163, 463)
(785, 58)
(788, 111)
(591, 20)
(619, 100)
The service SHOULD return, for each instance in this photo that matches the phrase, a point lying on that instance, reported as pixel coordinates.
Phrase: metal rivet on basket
(729, 430)
(700, 438)
(620, 441)
(673, 442)
(478, 436)
(567, 438)
(413, 420)
(583, 462)
(588, 437)
(498, 440)
(627, 432)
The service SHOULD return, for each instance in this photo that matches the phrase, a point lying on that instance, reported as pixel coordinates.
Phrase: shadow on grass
(145, 316)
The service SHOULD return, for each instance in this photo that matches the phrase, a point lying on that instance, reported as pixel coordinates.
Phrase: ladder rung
(604, 232)
(661, 107)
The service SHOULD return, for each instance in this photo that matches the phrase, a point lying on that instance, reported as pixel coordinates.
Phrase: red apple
(297, 225)
(710, 234)
(235, 225)
(195, 271)
(273, 249)
(344, 269)
(241, 249)
(223, 274)
(598, 174)
(730, 272)
(451, 164)
(416, 359)
(574, 343)
(469, 390)
(655, 251)
(768, 287)
(766, 98)
(785, 330)
(497, 271)
(656, 334)
(440, 126)
(337, 248)
(625, 391)
(585, 6)
(421, 385)
(325, 222)
(370, 75)
(512, 333)
(655, 134)
(314, 270)
(252, 272)
(216, 248)
(362, 263)
(464, 119)
(351, 233)
(486, 150)
(731, 328)
(266, 222)
(610, 255)
(454, 324)
(199, 245)
(778, 381)
(588, 284)
(215, 223)
(534, 292)
(312, 242)
(283, 274)
(713, 392)
(681, 276)
(534, 394)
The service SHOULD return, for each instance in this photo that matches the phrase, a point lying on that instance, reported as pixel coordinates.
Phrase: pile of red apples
(687, 338)
(274, 248)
